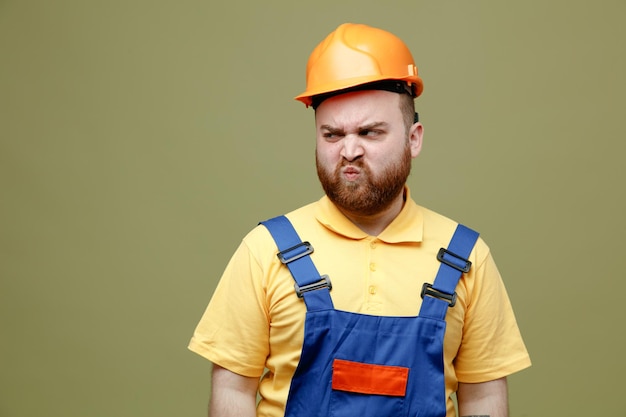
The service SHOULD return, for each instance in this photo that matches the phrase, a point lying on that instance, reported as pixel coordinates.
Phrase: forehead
(358, 108)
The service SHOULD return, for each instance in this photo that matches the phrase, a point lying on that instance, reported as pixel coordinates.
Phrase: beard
(369, 194)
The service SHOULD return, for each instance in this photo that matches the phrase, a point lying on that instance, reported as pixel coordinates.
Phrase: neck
(374, 224)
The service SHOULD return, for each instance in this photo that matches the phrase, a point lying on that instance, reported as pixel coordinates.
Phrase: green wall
(139, 141)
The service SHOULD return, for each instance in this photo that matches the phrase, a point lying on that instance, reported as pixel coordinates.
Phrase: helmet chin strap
(416, 118)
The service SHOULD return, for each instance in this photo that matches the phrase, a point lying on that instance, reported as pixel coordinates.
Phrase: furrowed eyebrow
(333, 130)
(373, 126)
(368, 126)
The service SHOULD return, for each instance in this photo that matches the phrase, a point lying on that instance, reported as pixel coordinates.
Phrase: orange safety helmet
(356, 54)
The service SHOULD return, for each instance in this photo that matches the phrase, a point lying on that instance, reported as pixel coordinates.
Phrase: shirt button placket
(372, 289)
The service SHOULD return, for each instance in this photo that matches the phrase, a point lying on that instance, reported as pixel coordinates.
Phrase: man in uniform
(362, 303)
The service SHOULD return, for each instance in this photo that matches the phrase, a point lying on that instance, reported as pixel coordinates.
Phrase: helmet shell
(356, 54)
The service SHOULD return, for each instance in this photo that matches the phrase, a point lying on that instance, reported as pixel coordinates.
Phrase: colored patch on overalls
(367, 378)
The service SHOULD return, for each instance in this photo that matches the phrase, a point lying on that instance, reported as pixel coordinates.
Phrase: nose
(352, 148)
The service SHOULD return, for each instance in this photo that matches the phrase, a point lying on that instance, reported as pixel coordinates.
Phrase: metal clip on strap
(464, 265)
(324, 282)
(288, 255)
(295, 255)
(428, 289)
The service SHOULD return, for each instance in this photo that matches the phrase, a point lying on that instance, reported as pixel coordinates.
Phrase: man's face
(364, 150)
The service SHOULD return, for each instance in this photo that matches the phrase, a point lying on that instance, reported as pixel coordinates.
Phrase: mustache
(357, 163)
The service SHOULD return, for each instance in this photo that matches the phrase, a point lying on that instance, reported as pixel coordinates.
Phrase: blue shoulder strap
(313, 288)
(442, 293)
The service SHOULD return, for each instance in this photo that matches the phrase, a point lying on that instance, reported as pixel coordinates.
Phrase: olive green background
(140, 140)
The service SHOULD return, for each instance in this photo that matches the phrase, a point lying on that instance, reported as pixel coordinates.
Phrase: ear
(416, 134)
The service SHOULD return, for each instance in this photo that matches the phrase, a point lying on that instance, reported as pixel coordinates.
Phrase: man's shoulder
(300, 216)
(437, 219)
(439, 227)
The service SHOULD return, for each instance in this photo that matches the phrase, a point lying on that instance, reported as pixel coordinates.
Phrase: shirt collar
(408, 226)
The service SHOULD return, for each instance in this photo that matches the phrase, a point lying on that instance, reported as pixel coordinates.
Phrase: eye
(331, 135)
(371, 133)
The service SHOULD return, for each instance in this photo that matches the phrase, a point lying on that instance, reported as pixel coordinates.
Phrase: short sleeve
(492, 346)
(233, 331)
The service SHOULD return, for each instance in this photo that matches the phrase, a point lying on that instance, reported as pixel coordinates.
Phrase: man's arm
(232, 395)
(486, 399)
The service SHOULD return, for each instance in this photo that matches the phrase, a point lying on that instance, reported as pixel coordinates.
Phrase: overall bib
(357, 365)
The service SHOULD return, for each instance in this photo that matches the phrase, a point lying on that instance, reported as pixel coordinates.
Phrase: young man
(394, 307)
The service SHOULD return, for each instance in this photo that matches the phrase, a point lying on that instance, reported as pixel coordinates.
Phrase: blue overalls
(357, 365)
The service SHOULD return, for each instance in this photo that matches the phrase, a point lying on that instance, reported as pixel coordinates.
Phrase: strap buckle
(288, 255)
(463, 267)
(427, 289)
(324, 282)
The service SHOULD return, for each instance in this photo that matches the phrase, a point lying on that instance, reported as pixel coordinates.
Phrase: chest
(368, 277)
